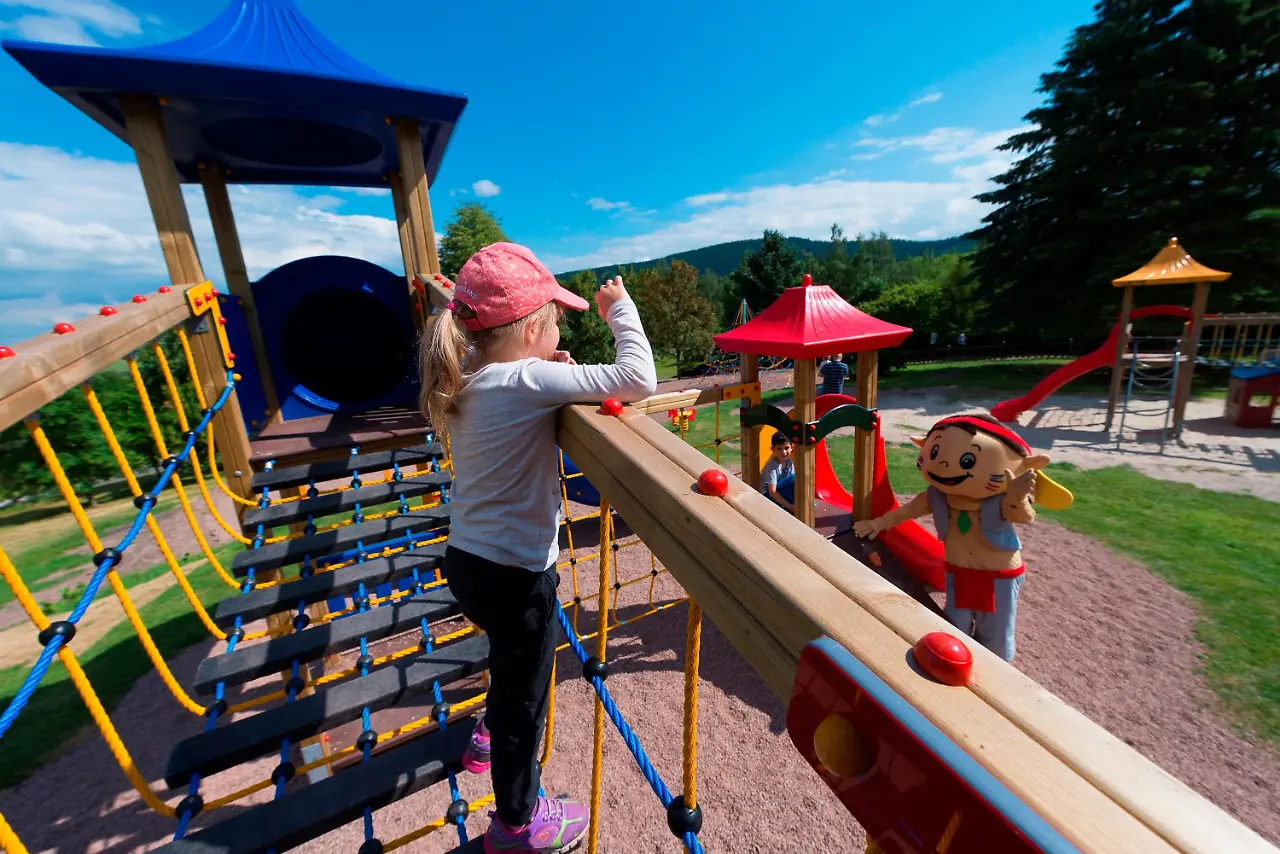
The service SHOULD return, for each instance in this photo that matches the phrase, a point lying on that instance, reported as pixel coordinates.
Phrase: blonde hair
(449, 352)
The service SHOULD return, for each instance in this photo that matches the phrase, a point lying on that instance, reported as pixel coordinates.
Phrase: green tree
(472, 228)
(583, 333)
(763, 275)
(677, 318)
(1161, 119)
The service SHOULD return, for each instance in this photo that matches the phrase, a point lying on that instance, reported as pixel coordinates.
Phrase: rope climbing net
(720, 363)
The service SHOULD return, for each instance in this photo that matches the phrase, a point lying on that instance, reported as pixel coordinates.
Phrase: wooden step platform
(304, 440)
(342, 467)
(276, 515)
(257, 604)
(331, 705)
(316, 809)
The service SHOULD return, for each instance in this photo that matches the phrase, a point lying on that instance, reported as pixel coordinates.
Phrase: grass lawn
(56, 714)
(39, 539)
(665, 367)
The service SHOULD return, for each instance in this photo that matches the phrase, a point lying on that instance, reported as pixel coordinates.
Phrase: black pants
(516, 608)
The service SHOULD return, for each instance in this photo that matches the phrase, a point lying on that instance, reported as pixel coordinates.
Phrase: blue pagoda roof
(259, 90)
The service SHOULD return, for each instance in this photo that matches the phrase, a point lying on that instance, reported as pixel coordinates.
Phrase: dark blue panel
(579, 489)
(253, 399)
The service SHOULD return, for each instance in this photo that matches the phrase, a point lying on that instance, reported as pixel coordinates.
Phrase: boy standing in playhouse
(982, 479)
(778, 477)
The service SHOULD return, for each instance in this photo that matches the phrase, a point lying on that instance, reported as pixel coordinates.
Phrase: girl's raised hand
(610, 292)
(563, 356)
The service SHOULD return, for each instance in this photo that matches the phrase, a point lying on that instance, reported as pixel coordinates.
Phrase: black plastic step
(272, 656)
(281, 478)
(371, 533)
(332, 705)
(275, 515)
(257, 604)
(314, 810)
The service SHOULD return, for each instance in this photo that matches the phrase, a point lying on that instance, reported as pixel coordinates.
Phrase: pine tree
(764, 275)
(1161, 120)
(584, 334)
(472, 228)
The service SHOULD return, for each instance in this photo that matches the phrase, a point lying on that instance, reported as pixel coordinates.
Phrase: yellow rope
(81, 681)
(950, 833)
(126, 601)
(145, 399)
(692, 656)
(602, 636)
(127, 470)
(413, 836)
(9, 841)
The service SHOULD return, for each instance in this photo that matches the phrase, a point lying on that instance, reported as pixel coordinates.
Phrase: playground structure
(728, 363)
(1249, 344)
(342, 493)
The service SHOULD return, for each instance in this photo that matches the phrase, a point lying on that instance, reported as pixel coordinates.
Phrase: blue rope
(41, 667)
(632, 740)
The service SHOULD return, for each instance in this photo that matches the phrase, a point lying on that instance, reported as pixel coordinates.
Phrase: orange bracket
(203, 299)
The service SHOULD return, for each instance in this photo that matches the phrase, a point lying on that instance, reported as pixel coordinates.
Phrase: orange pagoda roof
(808, 322)
(1171, 266)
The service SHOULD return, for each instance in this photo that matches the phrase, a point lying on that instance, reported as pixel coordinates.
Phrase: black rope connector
(141, 501)
(312, 492)
(573, 561)
(458, 811)
(295, 684)
(617, 585)
(285, 771)
(369, 737)
(307, 571)
(681, 819)
(654, 573)
(361, 602)
(191, 805)
(577, 600)
(171, 461)
(440, 709)
(364, 662)
(428, 641)
(236, 634)
(301, 621)
(204, 413)
(217, 707)
(114, 554)
(371, 846)
(593, 668)
(188, 435)
(614, 545)
(61, 629)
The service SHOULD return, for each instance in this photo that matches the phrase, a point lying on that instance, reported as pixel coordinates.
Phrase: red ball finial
(944, 657)
(806, 280)
(439, 278)
(231, 357)
(63, 328)
(222, 321)
(139, 298)
(612, 406)
(106, 311)
(164, 289)
(199, 301)
(713, 482)
(6, 352)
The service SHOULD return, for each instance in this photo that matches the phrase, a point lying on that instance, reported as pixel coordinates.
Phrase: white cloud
(599, 204)
(926, 99)
(834, 173)
(76, 230)
(903, 208)
(880, 119)
(484, 188)
(70, 21)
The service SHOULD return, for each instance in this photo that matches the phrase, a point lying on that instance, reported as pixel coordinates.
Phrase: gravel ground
(1096, 629)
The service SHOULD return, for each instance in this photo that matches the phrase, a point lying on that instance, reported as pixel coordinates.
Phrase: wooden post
(1117, 362)
(749, 372)
(213, 179)
(416, 200)
(806, 381)
(160, 180)
(1187, 370)
(407, 251)
(864, 443)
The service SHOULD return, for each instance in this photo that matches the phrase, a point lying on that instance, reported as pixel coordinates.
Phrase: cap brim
(569, 299)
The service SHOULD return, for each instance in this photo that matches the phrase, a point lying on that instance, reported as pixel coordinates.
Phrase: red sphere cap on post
(806, 280)
(713, 482)
(222, 321)
(611, 406)
(231, 357)
(944, 657)
(106, 311)
(6, 352)
(139, 298)
(164, 289)
(63, 328)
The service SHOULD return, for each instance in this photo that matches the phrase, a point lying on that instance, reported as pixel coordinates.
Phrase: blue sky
(598, 132)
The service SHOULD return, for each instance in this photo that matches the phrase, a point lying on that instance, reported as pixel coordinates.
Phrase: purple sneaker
(556, 826)
(476, 757)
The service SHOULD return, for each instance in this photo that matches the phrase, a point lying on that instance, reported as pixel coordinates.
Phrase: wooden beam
(1165, 804)
(864, 442)
(160, 180)
(407, 252)
(679, 399)
(214, 180)
(416, 199)
(1187, 370)
(763, 581)
(806, 381)
(1117, 361)
(749, 372)
(47, 366)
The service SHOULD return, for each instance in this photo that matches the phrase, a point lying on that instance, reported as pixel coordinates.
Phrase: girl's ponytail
(445, 346)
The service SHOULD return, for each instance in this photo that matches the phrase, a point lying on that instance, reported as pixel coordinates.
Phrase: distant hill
(723, 258)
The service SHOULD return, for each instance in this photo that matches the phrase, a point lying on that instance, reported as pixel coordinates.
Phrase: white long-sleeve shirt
(506, 502)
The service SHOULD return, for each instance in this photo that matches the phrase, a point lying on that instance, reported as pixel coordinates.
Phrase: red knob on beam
(164, 289)
(6, 352)
(139, 298)
(612, 406)
(106, 311)
(63, 328)
(713, 482)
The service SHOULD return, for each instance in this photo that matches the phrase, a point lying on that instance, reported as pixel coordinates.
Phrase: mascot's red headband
(983, 426)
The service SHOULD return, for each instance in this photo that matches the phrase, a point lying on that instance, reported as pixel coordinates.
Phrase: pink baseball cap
(504, 282)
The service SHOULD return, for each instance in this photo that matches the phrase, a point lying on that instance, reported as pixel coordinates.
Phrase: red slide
(918, 550)
(1009, 410)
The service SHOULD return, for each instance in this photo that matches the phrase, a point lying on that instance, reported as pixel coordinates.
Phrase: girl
(492, 379)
